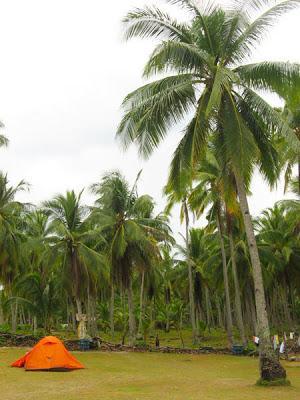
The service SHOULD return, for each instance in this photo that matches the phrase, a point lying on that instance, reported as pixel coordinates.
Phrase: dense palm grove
(117, 260)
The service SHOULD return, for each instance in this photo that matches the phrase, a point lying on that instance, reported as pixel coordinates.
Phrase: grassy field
(133, 376)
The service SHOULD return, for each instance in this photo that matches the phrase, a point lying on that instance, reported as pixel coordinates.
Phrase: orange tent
(48, 354)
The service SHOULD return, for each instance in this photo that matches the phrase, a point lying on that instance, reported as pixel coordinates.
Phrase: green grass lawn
(135, 376)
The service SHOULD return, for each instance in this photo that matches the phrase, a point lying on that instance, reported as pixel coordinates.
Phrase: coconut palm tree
(70, 240)
(166, 269)
(278, 245)
(205, 60)
(39, 295)
(215, 187)
(180, 195)
(201, 242)
(10, 238)
(35, 284)
(132, 233)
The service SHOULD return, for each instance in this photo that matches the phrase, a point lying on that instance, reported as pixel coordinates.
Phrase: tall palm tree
(166, 269)
(277, 244)
(200, 241)
(215, 187)
(10, 238)
(36, 282)
(70, 240)
(180, 195)
(208, 58)
(131, 231)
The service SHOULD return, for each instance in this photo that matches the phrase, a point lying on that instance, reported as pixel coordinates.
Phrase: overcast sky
(64, 71)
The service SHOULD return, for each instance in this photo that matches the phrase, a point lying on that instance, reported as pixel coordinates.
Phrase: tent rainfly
(49, 354)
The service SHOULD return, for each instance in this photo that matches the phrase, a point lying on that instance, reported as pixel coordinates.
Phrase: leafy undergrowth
(149, 376)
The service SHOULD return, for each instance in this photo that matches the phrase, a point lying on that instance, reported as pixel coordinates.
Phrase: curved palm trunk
(237, 290)
(132, 323)
(226, 285)
(191, 281)
(270, 368)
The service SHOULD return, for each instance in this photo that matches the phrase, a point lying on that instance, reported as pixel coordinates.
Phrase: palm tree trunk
(14, 317)
(112, 310)
(167, 319)
(207, 303)
(253, 313)
(226, 284)
(73, 317)
(152, 322)
(132, 323)
(140, 327)
(238, 305)
(270, 368)
(79, 306)
(123, 306)
(180, 330)
(220, 317)
(1, 312)
(88, 310)
(167, 301)
(93, 317)
(191, 281)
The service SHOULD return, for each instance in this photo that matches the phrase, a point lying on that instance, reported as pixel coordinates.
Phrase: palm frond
(152, 22)
(190, 147)
(272, 119)
(277, 77)
(238, 139)
(152, 109)
(252, 35)
(180, 57)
